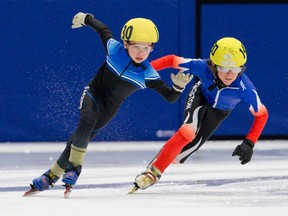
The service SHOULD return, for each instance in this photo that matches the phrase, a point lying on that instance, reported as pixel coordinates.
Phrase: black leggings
(94, 116)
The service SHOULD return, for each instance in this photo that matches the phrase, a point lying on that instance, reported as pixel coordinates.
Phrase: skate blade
(67, 191)
(133, 190)
(31, 191)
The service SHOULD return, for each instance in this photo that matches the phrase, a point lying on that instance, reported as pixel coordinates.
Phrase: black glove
(244, 151)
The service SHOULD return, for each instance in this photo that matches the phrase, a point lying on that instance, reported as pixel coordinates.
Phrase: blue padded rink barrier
(212, 182)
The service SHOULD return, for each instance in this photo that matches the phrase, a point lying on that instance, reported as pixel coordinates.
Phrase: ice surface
(212, 182)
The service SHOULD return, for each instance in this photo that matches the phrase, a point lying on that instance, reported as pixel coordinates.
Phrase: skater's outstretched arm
(83, 19)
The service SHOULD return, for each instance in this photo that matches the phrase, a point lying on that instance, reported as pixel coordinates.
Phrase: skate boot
(70, 177)
(44, 181)
(71, 174)
(148, 178)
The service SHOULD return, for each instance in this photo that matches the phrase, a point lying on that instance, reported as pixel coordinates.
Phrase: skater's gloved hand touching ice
(180, 80)
(244, 151)
(79, 19)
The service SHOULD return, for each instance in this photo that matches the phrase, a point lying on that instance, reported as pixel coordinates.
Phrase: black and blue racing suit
(118, 77)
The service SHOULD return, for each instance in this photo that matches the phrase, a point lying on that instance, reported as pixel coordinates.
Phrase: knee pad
(187, 132)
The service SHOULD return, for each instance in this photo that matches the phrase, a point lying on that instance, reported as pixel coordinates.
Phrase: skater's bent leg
(61, 164)
(210, 123)
(173, 146)
(63, 160)
(170, 150)
(81, 138)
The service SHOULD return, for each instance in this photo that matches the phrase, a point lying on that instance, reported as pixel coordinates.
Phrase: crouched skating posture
(125, 71)
(219, 85)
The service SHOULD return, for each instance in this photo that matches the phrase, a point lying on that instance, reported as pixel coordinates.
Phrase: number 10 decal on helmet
(228, 52)
(140, 30)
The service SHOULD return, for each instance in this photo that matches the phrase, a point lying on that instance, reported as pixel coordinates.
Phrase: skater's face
(138, 51)
(228, 75)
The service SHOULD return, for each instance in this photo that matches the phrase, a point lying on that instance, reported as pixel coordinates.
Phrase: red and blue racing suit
(208, 103)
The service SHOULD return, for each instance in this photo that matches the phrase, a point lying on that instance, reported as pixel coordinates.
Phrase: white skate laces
(148, 178)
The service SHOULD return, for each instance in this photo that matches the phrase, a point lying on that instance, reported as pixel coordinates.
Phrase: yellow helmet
(141, 30)
(228, 52)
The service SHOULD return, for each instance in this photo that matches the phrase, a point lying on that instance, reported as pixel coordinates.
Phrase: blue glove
(244, 151)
